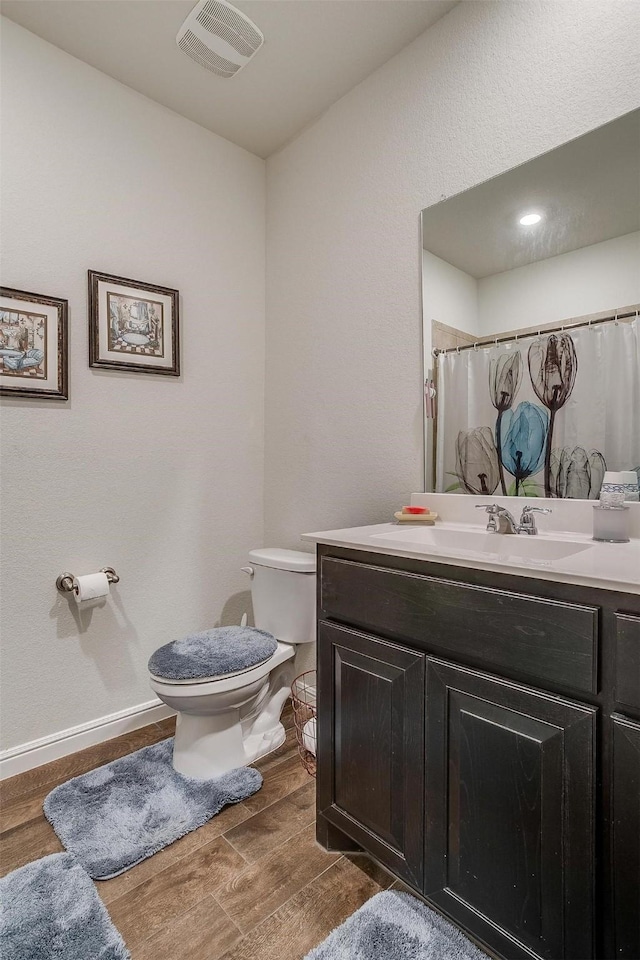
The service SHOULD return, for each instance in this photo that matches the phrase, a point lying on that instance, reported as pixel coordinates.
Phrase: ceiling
(314, 52)
(587, 190)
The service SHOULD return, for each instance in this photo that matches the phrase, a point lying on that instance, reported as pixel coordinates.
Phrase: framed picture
(33, 345)
(133, 325)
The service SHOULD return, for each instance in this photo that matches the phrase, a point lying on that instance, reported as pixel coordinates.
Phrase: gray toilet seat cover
(212, 653)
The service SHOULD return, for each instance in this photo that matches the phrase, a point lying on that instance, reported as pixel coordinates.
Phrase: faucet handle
(492, 508)
(528, 521)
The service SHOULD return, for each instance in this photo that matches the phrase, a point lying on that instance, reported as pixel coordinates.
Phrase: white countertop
(608, 566)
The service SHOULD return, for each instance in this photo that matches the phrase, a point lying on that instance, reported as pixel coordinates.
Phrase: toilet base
(207, 746)
(204, 749)
(260, 744)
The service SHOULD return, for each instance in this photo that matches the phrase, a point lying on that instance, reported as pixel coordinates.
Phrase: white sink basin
(540, 549)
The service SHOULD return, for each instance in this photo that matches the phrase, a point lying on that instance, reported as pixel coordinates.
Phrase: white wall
(603, 276)
(490, 85)
(449, 294)
(160, 477)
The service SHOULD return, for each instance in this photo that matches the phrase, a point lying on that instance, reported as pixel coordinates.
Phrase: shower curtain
(541, 415)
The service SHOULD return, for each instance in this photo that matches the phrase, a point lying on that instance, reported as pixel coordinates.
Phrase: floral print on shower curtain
(540, 416)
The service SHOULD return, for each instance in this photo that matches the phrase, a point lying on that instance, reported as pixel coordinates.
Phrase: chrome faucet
(528, 520)
(501, 521)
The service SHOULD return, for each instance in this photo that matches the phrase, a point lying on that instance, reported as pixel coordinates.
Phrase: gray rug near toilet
(123, 812)
(396, 926)
(50, 910)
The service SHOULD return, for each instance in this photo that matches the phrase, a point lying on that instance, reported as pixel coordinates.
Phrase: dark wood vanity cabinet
(479, 735)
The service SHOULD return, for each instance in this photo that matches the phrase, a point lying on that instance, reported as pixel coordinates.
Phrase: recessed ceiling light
(530, 219)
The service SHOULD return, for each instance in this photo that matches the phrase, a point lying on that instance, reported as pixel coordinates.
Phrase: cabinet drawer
(627, 690)
(517, 635)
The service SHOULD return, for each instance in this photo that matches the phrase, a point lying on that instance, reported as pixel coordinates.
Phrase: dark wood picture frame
(95, 358)
(61, 392)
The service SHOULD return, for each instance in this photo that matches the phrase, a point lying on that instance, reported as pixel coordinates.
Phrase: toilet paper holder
(64, 583)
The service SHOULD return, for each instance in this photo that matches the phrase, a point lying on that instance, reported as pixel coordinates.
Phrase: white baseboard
(34, 754)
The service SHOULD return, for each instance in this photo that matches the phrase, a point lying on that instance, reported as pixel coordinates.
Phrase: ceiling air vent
(219, 37)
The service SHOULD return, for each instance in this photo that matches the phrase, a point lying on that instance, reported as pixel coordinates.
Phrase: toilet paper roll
(90, 589)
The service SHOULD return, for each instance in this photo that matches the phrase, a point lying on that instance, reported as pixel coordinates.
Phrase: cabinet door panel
(626, 837)
(509, 812)
(371, 745)
(627, 684)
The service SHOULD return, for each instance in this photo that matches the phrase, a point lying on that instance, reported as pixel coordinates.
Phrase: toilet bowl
(233, 718)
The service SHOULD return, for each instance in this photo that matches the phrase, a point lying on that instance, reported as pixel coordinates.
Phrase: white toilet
(230, 720)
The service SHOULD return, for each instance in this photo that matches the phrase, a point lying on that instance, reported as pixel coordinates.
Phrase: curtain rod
(515, 336)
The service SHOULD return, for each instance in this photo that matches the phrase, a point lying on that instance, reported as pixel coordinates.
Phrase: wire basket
(303, 698)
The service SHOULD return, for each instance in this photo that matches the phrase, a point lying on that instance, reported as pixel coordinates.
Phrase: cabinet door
(371, 745)
(626, 837)
(627, 682)
(509, 812)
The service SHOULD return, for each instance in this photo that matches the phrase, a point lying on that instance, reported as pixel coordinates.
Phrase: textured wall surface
(160, 477)
(489, 86)
(603, 276)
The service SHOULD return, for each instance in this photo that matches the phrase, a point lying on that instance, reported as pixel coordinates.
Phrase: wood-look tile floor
(251, 883)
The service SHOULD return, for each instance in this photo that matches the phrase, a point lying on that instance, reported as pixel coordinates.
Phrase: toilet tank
(283, 592)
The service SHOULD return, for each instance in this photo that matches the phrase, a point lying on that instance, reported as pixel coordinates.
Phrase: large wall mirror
(531, 291)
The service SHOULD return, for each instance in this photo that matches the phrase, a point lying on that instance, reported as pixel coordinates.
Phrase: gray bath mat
(396, 926)
(122, 813)
(50, 910)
